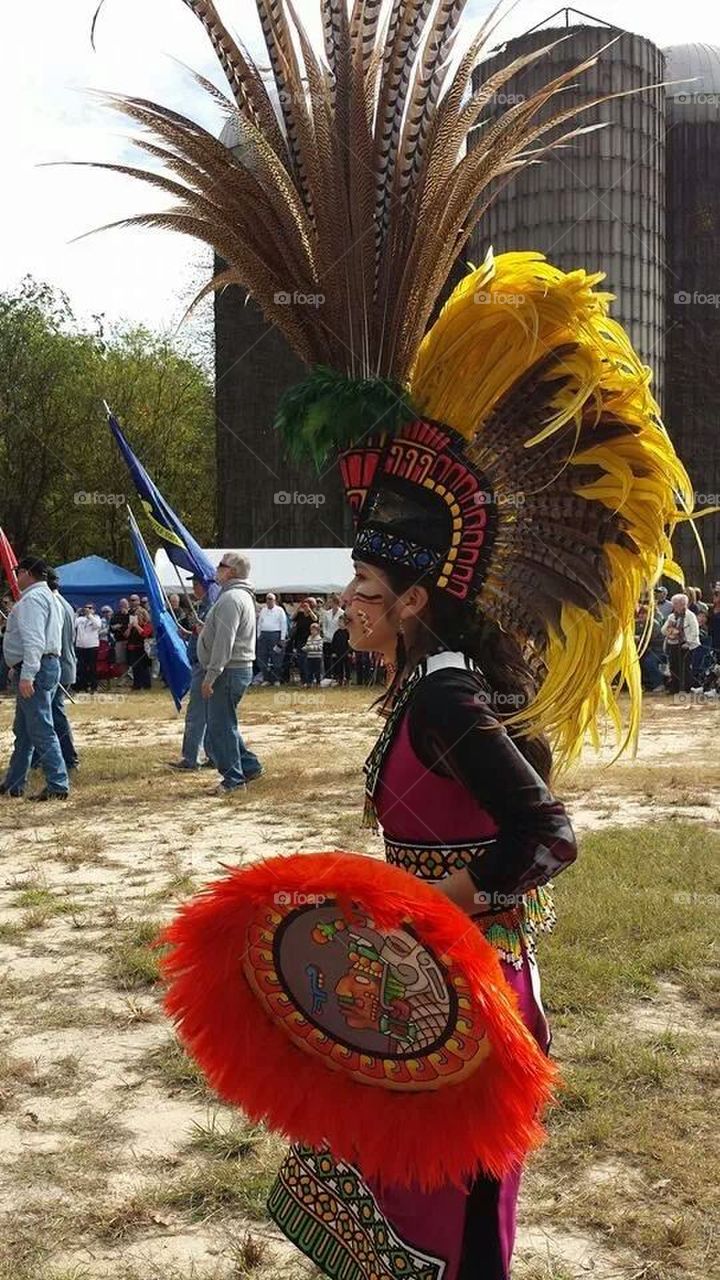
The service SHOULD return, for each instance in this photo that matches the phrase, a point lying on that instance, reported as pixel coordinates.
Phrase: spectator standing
(138, 638)
(662, 604)
(681, 634)
(87, 642)
(652, 660)
(714, 623)
(701, 658)
(6, 605)
(226, 650)
(341, 653)
(33, 643)
(329, 622)
(304, 617)
(272, 628)
(196, 713)
(313, 649)
(118, 626)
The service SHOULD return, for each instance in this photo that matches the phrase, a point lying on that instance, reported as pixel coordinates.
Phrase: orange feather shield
(346, 1004)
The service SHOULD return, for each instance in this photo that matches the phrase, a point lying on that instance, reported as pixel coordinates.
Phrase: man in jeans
(272, 629)
(33, 642)
(68, 672)
(226, 652)
(196, 714)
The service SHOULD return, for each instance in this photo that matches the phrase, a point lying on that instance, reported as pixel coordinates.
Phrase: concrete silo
(262, 500)
(692, 408)
(601, 204)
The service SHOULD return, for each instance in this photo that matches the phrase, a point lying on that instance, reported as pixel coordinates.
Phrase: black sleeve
(456, 733)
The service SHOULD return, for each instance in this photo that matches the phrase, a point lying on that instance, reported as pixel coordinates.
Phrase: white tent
(292, 570)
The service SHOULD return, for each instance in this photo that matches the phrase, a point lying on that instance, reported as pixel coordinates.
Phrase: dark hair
(450, 624)
(35, 566)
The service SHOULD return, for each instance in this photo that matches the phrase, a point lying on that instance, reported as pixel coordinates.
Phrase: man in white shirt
(87, 643)
(33, 644)
(329, 622)
(272, 628)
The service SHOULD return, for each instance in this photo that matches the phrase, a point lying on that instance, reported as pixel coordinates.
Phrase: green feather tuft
(328, 412)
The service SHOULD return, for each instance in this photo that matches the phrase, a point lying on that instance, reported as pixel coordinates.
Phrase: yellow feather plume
(503, 319)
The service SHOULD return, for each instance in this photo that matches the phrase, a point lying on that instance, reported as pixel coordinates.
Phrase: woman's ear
(413, 602)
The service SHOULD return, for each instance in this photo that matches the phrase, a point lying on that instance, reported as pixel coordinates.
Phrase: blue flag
(171, 648)
(181, 547)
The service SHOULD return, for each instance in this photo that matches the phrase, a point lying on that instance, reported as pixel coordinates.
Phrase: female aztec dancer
(514, 490)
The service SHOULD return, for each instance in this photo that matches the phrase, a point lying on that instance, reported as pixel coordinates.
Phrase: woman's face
(371, 609)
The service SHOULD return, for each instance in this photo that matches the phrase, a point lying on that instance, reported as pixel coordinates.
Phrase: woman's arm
(456, 733)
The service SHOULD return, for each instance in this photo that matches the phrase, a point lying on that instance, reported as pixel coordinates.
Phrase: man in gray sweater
(226, 652)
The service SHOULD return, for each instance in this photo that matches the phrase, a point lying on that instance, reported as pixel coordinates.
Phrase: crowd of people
(50, 651)
(235, 641)
(302, 642)
(680, 642)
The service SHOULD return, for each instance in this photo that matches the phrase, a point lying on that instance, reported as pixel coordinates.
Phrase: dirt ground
(115, 1161)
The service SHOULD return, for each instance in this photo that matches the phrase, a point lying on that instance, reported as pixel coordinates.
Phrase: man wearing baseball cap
(33, 645)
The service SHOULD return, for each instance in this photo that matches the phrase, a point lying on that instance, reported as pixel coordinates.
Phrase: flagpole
(185, 592)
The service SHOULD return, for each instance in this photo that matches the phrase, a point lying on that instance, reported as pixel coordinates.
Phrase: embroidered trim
(394, 549)
(325, 1208)
(513, 933)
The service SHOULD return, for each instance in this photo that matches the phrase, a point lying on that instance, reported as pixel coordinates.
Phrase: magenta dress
(450, 790)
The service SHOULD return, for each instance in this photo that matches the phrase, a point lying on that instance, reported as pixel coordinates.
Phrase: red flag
(8, 561)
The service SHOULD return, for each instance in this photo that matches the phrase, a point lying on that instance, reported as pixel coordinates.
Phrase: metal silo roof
(698, 63)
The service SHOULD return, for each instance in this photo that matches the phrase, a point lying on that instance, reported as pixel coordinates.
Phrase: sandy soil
(87, 1120)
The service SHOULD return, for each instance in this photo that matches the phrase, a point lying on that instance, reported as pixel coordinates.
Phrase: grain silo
(692, 409)
(262, 500)
(600, 204)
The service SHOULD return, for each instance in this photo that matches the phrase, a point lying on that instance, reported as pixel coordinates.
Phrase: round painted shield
(347, 1004)
(373, 1002)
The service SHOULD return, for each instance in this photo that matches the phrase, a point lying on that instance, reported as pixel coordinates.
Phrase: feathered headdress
(512, 455)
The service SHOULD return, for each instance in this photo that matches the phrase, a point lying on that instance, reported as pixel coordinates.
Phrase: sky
(47, 72)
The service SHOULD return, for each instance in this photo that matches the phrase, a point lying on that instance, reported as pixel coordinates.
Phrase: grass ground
(117, 1163)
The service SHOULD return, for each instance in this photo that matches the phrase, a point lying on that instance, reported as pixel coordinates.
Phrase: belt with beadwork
(512, 930)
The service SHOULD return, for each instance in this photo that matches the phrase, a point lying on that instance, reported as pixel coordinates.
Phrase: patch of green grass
(178, 1072)
(10, 932)
(225, 1142)
(134, 958)
(624, 919)
(222, 1187)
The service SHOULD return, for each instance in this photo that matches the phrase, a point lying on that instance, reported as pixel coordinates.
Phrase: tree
(63, 484)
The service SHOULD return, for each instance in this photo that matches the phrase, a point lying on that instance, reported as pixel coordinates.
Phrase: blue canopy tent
(93, 580)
